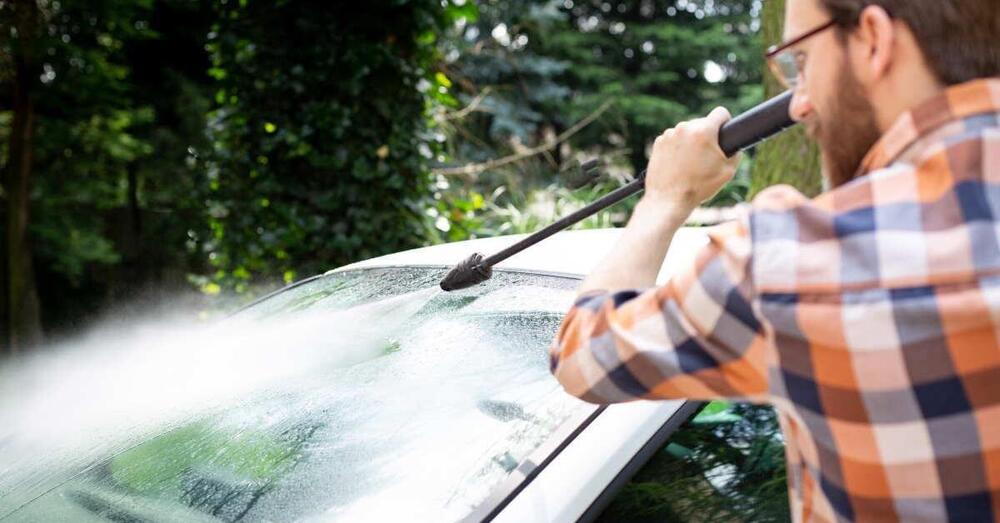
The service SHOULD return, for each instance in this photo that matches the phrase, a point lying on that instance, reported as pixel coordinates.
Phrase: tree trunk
(789, 158)
(23, 320)
(134, 260)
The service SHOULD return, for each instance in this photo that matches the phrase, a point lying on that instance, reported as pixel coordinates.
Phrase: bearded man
(868, 316)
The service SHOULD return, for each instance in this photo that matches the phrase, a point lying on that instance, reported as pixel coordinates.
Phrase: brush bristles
(466, 274)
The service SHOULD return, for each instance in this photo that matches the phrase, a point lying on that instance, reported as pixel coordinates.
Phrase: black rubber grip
(756, 125)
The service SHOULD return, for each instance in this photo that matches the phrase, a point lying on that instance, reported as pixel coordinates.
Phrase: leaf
(466, 10)
(442, 79)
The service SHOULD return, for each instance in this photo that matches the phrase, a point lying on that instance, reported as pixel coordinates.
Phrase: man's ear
(874, 43)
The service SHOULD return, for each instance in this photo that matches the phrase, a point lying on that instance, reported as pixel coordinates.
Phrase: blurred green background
(155, 147)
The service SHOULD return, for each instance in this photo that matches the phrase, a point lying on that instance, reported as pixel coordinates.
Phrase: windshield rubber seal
(527, 470)
(276, 292)
(513, 270)
(554, 274)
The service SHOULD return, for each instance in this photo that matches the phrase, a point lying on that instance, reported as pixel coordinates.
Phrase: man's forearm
(686, 166)
(637, 256)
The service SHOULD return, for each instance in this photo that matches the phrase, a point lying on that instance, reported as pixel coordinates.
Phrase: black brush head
(466, 274)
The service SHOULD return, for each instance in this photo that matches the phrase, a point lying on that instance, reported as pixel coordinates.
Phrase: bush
(322, 134)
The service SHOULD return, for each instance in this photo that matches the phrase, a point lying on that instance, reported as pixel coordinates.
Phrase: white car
(415, 405)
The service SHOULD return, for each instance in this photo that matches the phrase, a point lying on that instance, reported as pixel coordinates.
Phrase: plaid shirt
(869, 316)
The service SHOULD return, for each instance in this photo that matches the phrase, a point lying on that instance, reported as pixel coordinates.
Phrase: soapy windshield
(364, 395)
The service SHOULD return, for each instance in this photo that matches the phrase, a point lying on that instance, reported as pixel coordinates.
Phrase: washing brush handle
(747, 129)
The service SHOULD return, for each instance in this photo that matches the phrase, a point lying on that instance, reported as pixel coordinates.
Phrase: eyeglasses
(787, 63)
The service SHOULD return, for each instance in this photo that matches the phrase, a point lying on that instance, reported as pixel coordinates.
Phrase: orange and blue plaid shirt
(868, 316)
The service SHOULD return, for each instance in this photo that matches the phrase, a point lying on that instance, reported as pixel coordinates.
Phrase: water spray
(748, 129)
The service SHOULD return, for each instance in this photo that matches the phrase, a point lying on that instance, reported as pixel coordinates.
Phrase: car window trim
(276, 292)
(554, 274)
(345, 270)
(529, 468)
(639, 459)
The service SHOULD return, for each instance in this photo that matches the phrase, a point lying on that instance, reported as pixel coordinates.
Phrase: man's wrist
(645, 239)
(668, 211)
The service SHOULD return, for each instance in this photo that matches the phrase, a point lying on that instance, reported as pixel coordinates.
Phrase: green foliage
(87, 161)
(223, 471)
(120, 104)
(790, 158)
(527, 72)
(242, 143)
(725, 464)
(466, 214)
(321, 133)
(84, 133)
(157, 466)
(660, 61)
(738, 189)
(526, 213)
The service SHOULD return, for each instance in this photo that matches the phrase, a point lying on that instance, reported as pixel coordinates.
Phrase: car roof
(568, 252)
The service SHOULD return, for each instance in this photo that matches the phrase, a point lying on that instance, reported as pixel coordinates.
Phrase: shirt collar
(954, 103)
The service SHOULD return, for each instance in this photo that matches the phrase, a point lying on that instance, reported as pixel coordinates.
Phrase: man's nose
(801, 107)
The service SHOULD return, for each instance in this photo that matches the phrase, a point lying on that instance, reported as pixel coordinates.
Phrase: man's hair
(958, 38)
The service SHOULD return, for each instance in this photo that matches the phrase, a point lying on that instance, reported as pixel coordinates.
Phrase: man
(870, 315)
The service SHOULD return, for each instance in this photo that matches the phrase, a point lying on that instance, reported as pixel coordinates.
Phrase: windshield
(415, 405)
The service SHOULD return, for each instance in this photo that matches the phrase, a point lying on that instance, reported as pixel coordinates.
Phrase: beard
(847, 132)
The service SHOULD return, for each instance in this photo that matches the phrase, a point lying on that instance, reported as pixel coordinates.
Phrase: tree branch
(477, 168)
(473, 105)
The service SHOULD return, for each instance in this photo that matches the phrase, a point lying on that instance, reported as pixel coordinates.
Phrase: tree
(22, 28)
(244, 141)
(164, 191)
(551, 64)
(80, 139)
(660, 61)
(790, 158)
(510, 91)
(322, 133)
(543, 83)
(104, 167)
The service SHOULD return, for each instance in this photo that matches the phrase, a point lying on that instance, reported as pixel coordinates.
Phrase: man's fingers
(734, 161)
(702, 128)
(719, 116)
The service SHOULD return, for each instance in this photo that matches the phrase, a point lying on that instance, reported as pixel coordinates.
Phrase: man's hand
(687, 166)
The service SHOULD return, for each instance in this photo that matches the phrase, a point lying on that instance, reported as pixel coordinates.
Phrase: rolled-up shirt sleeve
(695, 337)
